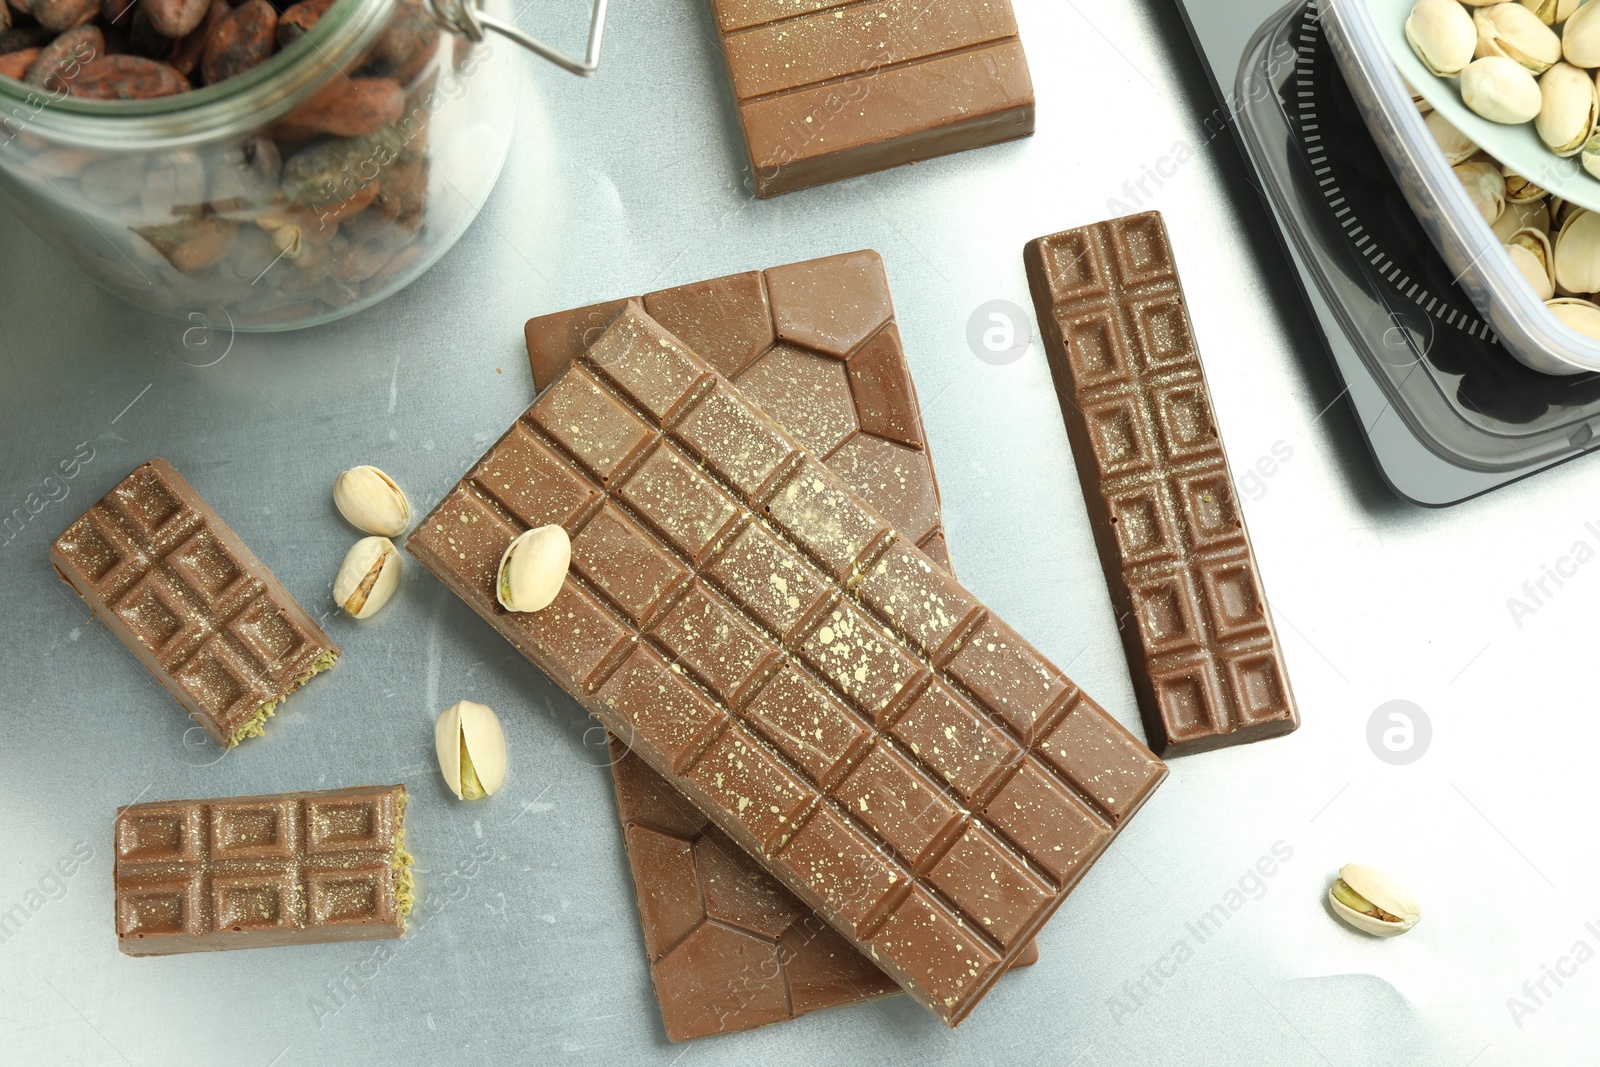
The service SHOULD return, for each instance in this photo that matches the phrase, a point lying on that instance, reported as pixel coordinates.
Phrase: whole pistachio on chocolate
(533, 569)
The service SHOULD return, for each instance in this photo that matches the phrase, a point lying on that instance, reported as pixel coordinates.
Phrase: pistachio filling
(471, 786)
(1356, 902)
(256, 725)
(401, 861)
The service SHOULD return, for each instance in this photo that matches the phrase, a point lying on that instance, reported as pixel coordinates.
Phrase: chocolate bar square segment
(854, 829)
(1199, 640)
(258, 872)
(191, 602)
(832, 90)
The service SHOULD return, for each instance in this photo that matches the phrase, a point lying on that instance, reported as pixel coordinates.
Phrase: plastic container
(255, 201)
(1524, 325)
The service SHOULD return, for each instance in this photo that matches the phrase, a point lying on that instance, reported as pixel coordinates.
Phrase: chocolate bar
(196, 607)
(704, 980)
(1183, 579)
(847, 714)
(258, 872)
(830, 89)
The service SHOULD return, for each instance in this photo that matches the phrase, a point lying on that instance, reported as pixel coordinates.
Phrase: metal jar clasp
(463, 17)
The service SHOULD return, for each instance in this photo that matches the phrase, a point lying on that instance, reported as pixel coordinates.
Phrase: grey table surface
(527, 948)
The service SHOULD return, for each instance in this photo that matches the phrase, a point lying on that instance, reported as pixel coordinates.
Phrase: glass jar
(300, 191)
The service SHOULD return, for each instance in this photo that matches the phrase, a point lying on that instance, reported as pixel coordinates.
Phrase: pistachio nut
(1551, 12)
(371, 501)
(1580, 315)
(1486, 188)
(1580, 37)
(1577, 259)
(1501, 90)
(1590, 156)
(1530, 253)
(1513, 31)
(368, 578)
(1373, 902)
(1568, 110)
(1442, 35)
(1421, 102)
(1534, 215)
(533, 568)
(472, 750)
(1456, 146)
(1520, 190)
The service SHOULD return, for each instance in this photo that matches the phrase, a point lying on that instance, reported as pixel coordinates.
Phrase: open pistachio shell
(1456, 146)
(1534, 215)
(1580, 315)
(1568, 109)
(1551, 12)
(1442, 35)
(1580, 37)
(1530, 252)
(1520, 190)
(1577, 259)
(1373, 902)
(1485, 186)
(1512, 31)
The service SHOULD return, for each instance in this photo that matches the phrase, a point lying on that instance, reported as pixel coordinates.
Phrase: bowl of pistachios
(1490, 129)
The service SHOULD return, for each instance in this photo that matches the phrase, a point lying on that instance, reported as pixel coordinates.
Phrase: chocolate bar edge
(275, 591)
(1105, 538)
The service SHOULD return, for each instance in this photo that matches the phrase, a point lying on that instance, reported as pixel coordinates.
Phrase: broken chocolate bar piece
(1177, 558)
(196, 607)
(830, 89)
(847, 714)
(258, 872)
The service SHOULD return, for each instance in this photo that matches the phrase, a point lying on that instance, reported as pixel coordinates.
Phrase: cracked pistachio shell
(368, 578)
(1580, 315)
(1568, 110)
(1590, 156)
(1359, 884)
(472, 750)
(1512, 31)
(1501, 90)
(533, 568)
(1485, 186)
(1456, 146)
(1530, 253)
(371, 502)
(1442, 35)
(1551, 12)
(1580, 37)
(1534, 215)
(1577, 260)
(1520, 190)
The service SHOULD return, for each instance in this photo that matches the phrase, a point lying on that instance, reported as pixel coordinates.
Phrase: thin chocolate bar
(830, 89)
(1177, 558)
(263, 871)
(196, 606)
(858, 378)
(891, 751)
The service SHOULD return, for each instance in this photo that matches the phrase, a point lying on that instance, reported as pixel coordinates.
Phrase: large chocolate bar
(258, 872)
(829, 89)
(815, 346)
(718, 961)
(846, 713)
(1177, 558)
(196, 607)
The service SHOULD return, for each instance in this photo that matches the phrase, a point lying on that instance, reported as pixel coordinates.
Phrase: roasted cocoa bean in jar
(263, 164)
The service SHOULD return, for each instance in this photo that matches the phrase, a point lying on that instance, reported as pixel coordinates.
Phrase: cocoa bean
(21, 38)
(335, 169)
(64, 58)
(127, 78)
(186, 54)
(406, 46)
(59, 15)
(5, 17)
(173, 186)
(192, 246)
(145, 40)
(346, 108)
(246, 178)
(242, 38)
(16, 64)
(297, 21)
(114, 11)
(174, 18)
